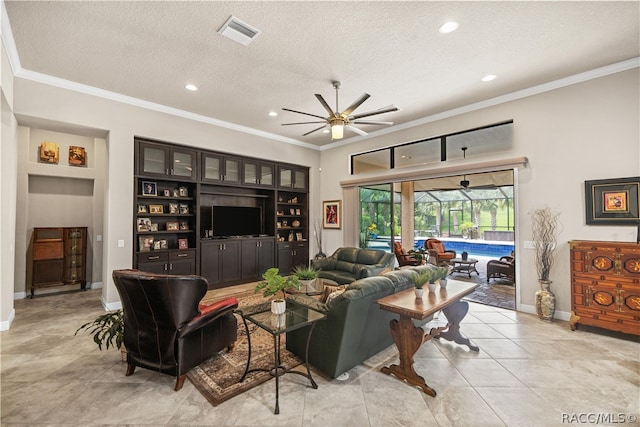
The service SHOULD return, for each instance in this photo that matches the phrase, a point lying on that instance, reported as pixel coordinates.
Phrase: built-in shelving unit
(219, 215)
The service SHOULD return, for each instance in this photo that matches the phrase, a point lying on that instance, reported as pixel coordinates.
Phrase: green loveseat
(349, 264)
(355, 328)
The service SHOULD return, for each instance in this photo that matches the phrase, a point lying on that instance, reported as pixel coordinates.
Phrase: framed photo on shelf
(173, 226)
(154, 227)
(176, 192)
(299, 237)
(184, 209)
(173, 208)
(183, 244)
(156, 245)
(149, 188)
(142, 208)
(331, 214)
(183, 192)
(156, 209)
(145, 243)
(167, 193)
(164, 244)
(292, 211)
(144, 224)
(184, 225)
(297, 211)
(612, 201)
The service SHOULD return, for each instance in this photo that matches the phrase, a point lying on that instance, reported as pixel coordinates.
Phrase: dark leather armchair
(165, 328)
(437, 252)
(505, 267)
(402, 256)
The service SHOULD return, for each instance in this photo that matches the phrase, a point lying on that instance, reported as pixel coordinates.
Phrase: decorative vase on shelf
(545, 301)
(419, 292)
(295, 223)
(278, 306)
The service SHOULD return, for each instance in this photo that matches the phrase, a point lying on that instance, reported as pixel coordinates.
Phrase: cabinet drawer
(153, 257)
(48, 250)
(182, 255)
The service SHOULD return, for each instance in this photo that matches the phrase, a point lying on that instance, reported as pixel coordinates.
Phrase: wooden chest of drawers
(605, 285)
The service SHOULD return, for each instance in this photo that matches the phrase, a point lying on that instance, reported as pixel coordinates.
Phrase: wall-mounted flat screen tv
(236, 221)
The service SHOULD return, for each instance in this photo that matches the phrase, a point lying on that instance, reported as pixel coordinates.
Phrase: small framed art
(149, 188)
(49, 152)
(173, 226)
(166, 193)
(612, 201)
(184, 209)
(142, 208)
(184, 226)
(183, 244)
(77, 156)
(156, 209)
(173, 208)
(183, 191)
(145, 243)
(331, 216)
(144, 224)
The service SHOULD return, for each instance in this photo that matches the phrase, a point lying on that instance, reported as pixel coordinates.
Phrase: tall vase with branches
(317, 232)
(545, 229)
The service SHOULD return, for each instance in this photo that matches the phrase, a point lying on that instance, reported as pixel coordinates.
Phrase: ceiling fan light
(337, 131)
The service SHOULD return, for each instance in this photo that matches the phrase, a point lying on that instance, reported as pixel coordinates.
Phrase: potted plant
(419, 254)
(419, 280)
(441, 273)
(307, 276)
(107, 330)
(274, 283)
(544, 227)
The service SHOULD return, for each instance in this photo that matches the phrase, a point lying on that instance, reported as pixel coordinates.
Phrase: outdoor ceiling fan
(464, 183)
(338, 121)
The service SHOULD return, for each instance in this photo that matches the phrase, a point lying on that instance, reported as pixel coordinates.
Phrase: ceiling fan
(338, 121)
(464, 183)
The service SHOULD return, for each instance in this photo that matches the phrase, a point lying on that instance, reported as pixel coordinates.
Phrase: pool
(485, 248)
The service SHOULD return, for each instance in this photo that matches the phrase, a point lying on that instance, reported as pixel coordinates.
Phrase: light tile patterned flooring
(527, 373)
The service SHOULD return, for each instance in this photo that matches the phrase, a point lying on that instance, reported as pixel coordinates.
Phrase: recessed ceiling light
(488, 77)
(191, 87)
(325, 131)
(448, 27)
(273, 113)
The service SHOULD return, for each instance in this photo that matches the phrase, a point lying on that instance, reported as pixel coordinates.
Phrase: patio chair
(437, 252)
(402, 256)
(504, 268)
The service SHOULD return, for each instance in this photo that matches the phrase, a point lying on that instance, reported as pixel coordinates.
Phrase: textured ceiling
(391, 50)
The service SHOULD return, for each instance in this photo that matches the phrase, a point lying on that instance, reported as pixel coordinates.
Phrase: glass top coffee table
(464, 266)
(295, 317)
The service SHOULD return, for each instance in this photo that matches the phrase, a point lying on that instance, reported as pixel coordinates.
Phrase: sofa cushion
(349, 255)
(345, 266)
(368, 256)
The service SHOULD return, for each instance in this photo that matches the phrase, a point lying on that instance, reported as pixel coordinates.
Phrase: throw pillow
(328, 290)
(333, 295)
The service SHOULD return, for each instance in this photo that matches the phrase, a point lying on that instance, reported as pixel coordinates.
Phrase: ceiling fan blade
(306, 114)
(356, 130)
(483, 187)
(360, 122)
(300, 123)
(325, 105)
(355, 105)
(383, 110)
(315, 130)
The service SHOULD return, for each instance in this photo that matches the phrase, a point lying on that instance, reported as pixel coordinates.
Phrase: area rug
(217, 379)
(497, 293)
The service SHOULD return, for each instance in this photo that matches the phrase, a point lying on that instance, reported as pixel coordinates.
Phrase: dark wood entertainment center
(184, 199)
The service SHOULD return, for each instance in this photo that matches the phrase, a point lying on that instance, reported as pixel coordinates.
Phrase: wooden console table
(408, 338)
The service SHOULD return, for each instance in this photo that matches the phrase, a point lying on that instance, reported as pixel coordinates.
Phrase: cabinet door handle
(154, 257)
(182, 255)
(170, 266)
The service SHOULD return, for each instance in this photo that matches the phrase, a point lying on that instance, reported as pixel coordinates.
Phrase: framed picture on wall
(612, 201)
(331, 214)
(77, 156)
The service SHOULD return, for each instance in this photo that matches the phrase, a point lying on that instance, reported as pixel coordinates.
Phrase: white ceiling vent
(239, 31)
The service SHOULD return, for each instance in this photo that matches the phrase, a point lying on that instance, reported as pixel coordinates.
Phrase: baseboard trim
(4, 326)
(560, 315)
(111, 306)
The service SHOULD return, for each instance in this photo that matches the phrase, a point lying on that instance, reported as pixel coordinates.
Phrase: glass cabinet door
(250, 173)
(211, 170)
(285, 178)
(183, 164)
(232, 170)
(154, 160)
(300, 180)
(266, 175)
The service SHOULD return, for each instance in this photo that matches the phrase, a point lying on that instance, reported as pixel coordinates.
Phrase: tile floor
(527, 373)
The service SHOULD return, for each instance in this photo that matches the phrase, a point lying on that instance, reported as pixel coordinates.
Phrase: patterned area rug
(497, 293)
(218, 378)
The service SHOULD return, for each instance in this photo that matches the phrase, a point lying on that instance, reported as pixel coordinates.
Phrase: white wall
(37, 102)
(580, 132)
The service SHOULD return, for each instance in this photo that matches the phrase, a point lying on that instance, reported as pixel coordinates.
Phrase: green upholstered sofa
(355, 328)
(349, 264)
